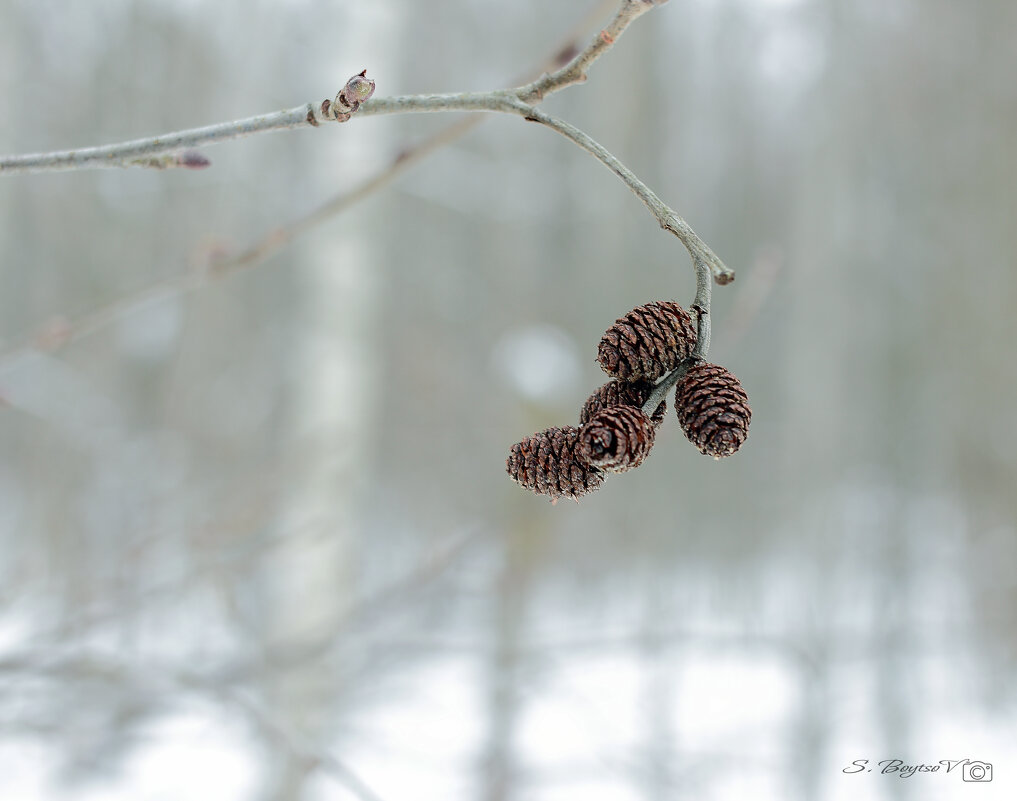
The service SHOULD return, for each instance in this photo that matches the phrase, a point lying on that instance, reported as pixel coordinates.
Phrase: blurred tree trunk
(332, 393)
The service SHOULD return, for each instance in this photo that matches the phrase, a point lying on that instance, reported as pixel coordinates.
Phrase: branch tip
(357, 89)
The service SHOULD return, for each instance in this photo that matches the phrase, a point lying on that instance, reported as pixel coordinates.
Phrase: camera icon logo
(976, 771)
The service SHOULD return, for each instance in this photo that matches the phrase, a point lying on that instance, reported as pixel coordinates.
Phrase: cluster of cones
(615, 432)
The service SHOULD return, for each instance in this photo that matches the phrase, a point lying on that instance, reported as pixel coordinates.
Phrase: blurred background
(256, 536)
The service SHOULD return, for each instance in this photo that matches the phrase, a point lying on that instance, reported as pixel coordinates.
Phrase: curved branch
(669, 219)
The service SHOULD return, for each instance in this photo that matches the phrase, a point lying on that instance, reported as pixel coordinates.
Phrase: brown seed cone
(713, 409)
(547, 464)
(621, 393)
(647, 342)
(617, 438)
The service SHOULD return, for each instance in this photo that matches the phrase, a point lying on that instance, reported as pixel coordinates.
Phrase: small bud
(358, 89)
(193, 160)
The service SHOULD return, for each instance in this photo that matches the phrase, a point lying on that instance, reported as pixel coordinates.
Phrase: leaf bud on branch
(357, 89)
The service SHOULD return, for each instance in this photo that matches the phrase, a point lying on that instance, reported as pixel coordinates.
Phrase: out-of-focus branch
(405, 159)
(752, 296)
(308, 759)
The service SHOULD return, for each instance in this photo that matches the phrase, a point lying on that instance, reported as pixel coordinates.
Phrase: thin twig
(59, 331)
(576, 70)
(144, 152)
(660, 390)
(669, 219)
(129, 154)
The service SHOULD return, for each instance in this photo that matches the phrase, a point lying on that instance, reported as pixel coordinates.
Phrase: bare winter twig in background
(403, 160)
(752, 295)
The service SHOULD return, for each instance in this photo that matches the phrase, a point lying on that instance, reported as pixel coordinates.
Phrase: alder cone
(621, 393)
(547, 464)
(617, 438)
(648, 342)
(713, 409)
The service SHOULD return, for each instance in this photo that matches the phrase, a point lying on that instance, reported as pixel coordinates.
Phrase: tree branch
(138, 152)
(143, 152)
(129, 154)
(669, 219)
